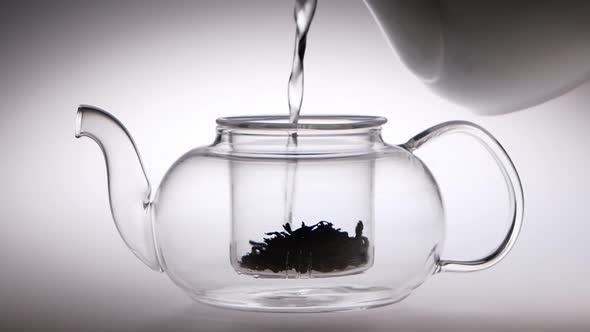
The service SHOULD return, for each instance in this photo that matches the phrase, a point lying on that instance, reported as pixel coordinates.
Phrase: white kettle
(492, 57)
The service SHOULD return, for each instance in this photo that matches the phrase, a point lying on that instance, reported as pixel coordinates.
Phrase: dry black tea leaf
(320, 248)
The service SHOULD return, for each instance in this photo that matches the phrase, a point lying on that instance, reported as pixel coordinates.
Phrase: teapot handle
(513, 185)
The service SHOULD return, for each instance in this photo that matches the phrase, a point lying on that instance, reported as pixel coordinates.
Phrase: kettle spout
(128, 186)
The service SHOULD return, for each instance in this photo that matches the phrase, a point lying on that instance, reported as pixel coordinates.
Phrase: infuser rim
(312, 122)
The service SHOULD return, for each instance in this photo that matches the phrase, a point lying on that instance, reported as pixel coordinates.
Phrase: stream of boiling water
(303, 15)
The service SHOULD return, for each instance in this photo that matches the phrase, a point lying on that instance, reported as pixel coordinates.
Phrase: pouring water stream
(303, 15)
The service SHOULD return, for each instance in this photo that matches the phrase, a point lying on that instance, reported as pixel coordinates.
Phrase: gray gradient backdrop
(167, 70)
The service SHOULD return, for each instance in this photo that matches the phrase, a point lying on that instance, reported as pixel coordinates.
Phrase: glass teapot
(322, 215)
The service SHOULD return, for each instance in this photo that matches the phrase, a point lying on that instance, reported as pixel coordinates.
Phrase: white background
(167, 70)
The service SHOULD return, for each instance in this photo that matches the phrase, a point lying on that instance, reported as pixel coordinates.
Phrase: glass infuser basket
(322, 215)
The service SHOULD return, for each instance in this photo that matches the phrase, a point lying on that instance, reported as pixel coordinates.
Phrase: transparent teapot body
(219, 202)
(321, 215)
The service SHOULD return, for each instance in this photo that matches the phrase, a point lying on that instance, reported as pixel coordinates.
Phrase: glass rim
(310, 122)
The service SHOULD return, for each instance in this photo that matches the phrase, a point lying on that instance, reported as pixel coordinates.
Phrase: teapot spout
(128, 186)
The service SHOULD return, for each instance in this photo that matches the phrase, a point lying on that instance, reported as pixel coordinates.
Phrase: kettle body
(492, 57)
